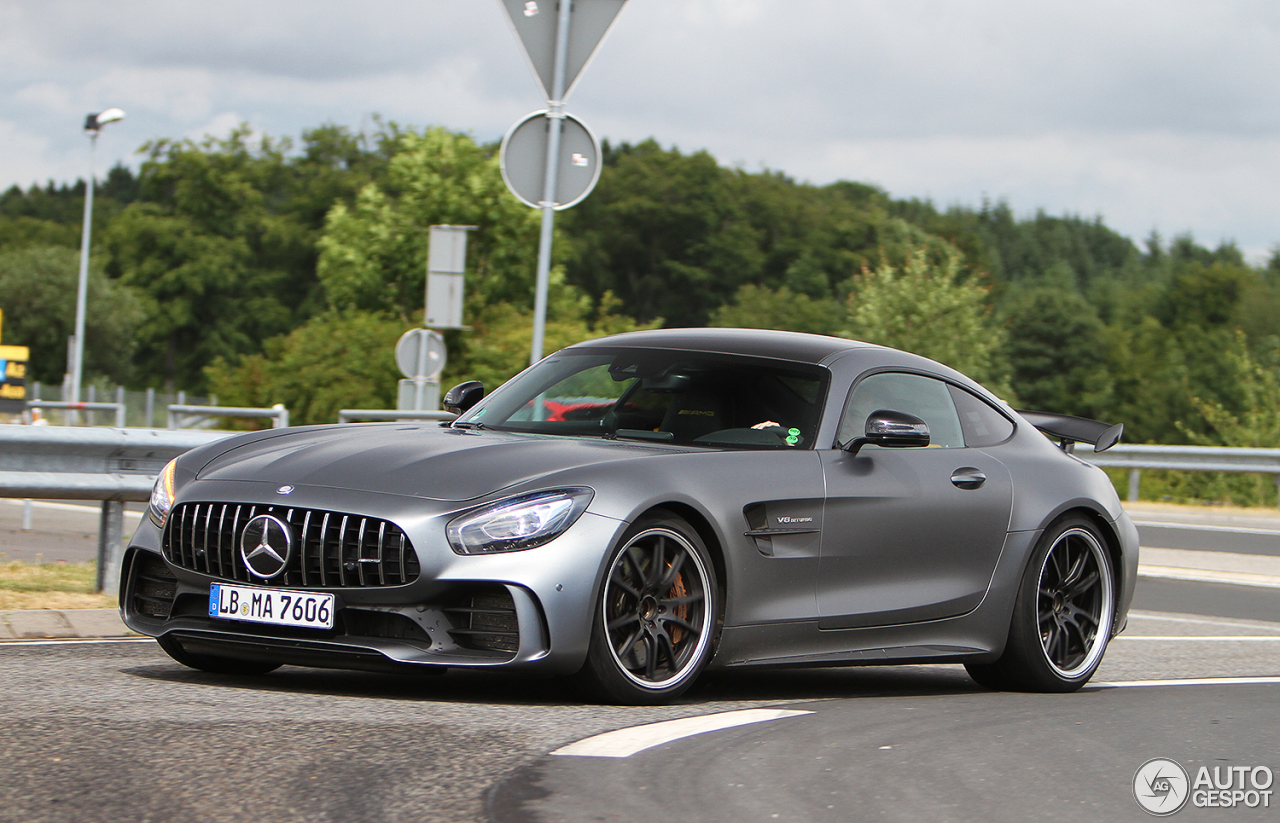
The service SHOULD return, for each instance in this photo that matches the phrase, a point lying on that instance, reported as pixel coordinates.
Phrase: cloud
(1151, 112)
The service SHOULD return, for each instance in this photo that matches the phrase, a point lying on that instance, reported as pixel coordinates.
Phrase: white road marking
(626, 742)
(1151, 524)
(1197, 637)
(1268, 581)
(1138, 614)
(1198, 681)
(76, 641)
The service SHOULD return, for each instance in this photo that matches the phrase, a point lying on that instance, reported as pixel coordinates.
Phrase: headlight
(518, 523)
(162, 494)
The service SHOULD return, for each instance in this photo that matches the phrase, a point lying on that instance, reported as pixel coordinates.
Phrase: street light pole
(92, 126)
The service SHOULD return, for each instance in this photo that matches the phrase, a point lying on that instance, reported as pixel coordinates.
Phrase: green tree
(223, 239)
(1055, 350)
(38, 294)
(760, 307)
(335, 360)
(929, 309)
(373, 254)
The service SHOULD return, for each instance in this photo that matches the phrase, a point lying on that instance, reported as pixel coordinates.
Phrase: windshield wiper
(641, 434)
(467, 424)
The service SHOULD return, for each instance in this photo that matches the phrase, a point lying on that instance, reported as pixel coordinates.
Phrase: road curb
(64, 624)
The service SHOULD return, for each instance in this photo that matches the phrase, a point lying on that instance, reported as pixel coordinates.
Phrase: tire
(656, 619)
(1063, 616)
(213, 663)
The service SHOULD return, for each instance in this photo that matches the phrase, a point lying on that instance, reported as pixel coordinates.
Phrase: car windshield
(665, 396)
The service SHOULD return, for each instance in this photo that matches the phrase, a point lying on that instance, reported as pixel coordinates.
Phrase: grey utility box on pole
(446, 267)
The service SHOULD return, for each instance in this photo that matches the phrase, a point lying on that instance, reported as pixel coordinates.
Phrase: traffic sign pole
(555, 122)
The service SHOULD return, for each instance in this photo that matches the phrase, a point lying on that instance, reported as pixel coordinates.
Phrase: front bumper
(530, 610)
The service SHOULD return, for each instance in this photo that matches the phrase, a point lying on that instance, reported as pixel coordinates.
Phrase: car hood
(433, 463)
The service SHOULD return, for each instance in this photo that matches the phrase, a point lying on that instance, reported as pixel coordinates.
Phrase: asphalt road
(117, 732)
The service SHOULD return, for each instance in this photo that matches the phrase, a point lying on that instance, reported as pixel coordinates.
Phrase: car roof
(784, 345)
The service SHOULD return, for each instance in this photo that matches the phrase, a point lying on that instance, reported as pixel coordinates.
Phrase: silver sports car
(634, 509)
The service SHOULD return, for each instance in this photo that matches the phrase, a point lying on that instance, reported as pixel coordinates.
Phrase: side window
(982, 425)
(924, 397)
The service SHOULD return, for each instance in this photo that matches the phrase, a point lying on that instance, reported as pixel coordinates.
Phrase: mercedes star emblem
(265, 545)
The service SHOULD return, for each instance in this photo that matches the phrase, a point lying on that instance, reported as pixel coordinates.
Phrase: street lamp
(92, 126)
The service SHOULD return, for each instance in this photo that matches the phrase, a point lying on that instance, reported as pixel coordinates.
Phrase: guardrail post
(110, 545)
(1135, 480)
(281, 420)
(26, 514)
(1278, 489)
(150, 406)
(120, 407)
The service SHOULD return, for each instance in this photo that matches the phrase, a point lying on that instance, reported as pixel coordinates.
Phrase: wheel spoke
(650, 656)
(624, 620)
(656, 562)
(1078, 614)
(681, 623)
(625, 648)
(1076, 569)
(669, 579)
(669, 651)
(673, 602)
(1083, 585)
(618, 580)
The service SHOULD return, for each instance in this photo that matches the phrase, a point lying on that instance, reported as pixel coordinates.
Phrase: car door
(911, 534)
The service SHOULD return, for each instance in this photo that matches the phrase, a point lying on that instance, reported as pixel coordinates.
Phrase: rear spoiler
(1071, 430)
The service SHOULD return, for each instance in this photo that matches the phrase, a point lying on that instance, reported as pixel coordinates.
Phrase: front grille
(486, 621)
(154, 586)
(330, 549)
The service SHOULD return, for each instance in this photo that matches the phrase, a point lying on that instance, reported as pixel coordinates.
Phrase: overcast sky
(1155, 115)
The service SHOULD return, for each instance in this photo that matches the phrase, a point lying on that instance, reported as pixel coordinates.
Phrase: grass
(51, 586)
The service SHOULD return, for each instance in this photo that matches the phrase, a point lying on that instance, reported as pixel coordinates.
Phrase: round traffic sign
(420, 353)
(523, 159)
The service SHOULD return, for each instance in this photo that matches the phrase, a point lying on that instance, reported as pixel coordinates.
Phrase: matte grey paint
(862, 571)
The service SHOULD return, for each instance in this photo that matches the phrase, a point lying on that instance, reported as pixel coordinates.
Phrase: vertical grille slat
(222, 520)
(342, 557)
(364, 546)
(324, 541)
(306, 529)
(235, 533)
(360, 564)
(208, 518)
(382, 535)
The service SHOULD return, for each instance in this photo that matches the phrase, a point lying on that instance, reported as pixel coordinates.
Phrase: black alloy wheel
(1074, 602)
(1063, 616)
(654, 627)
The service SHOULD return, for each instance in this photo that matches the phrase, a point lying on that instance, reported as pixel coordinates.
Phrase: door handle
(968, 478)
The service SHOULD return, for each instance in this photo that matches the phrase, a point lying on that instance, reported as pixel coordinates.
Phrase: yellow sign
(13, 377)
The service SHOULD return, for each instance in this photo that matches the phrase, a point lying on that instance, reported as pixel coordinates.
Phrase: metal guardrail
(118, 408)
(1135, 458)
(278, 413)
(92, 463)
(352, 415)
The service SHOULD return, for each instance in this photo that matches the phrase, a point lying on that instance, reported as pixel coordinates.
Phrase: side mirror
(891, 430)
(463, 396)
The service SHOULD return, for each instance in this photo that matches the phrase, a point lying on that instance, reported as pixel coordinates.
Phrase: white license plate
(279, 607)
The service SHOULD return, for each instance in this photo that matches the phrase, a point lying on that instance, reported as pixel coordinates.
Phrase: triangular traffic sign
(534, 22)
